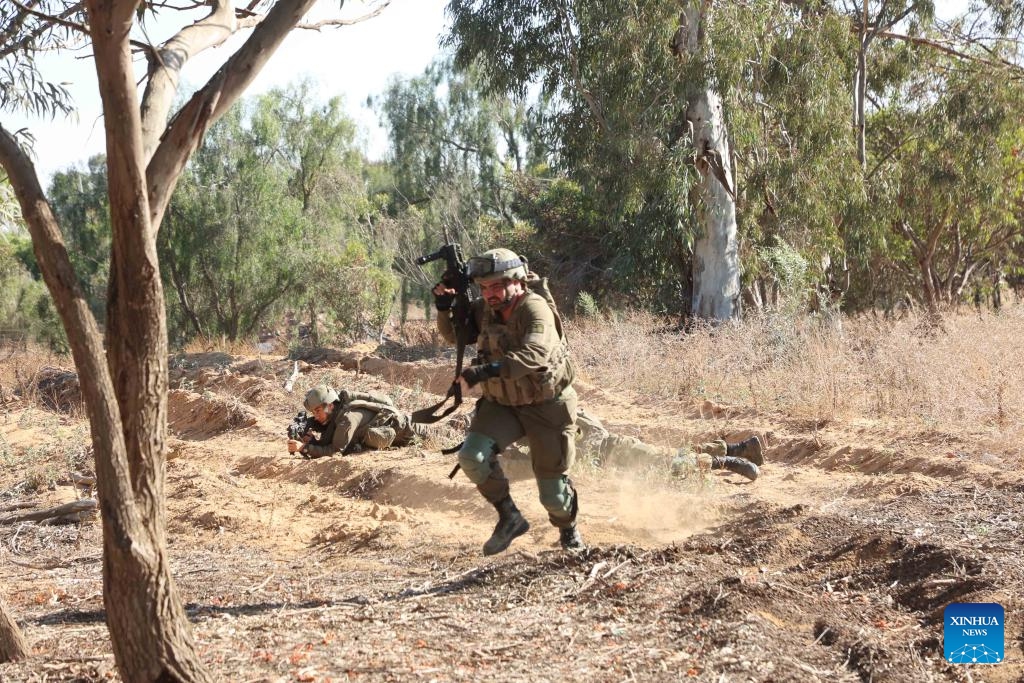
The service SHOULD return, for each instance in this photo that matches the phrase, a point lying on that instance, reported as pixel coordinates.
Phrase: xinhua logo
(973, 632)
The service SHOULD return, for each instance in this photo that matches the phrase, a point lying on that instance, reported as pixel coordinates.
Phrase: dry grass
(238, 347)
(962, 379)
(20, 368)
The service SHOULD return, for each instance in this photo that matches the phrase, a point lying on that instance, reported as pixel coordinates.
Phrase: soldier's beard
(500, 303)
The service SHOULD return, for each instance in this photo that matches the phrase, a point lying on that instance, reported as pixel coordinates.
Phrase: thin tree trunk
(860, 90)
(182, 290)
(12, 643)
(151, 636)
(929, 293)
(124, 388)
(716, 267)
(314, 330)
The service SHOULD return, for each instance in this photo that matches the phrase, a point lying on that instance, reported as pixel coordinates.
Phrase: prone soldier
(348, 420)
(608, 449)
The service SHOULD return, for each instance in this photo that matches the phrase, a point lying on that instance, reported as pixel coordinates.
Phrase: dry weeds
(964, 380)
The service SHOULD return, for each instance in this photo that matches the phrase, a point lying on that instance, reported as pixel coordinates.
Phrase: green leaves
(263, 216)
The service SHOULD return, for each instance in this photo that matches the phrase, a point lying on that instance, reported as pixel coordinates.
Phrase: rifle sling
(426, 415)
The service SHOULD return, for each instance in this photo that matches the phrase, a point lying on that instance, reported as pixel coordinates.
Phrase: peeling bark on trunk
(859, 96)
(12, 643)
(716, 267)
(860, 91)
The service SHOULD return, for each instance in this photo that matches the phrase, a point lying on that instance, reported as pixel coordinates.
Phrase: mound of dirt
(58, 389)
(252, 390)
(196, 417)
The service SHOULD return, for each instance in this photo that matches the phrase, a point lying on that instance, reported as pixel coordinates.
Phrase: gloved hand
(444, 297)
(444, 302)
(475, 374)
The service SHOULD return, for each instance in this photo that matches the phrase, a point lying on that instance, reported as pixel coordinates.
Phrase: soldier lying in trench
(347, 421)
(603, 448)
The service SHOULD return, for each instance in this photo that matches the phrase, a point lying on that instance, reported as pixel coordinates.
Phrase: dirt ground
(835, 565)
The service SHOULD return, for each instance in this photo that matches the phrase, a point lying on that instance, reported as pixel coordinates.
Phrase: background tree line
(874, 160)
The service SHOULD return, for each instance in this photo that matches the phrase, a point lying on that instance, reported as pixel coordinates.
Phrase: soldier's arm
(343, 431)
(447, 328)
(540, 337)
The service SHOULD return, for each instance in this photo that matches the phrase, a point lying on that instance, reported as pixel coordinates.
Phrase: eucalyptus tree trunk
(124, 386)
(12, 643)
(716, 266)
(860, 90)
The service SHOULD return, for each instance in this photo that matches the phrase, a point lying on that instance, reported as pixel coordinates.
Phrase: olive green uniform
(370, 420)
(531, 397)
(607, 449)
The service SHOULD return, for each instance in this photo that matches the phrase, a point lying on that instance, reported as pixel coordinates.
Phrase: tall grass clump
(961, 377)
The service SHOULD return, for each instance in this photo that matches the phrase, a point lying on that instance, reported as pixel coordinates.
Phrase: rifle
(299, 426)
(456, 277)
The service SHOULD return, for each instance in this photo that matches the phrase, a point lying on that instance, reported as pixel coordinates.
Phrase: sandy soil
(835, 565)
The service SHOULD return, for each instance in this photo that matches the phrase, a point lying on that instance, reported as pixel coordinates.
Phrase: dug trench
(834, 565)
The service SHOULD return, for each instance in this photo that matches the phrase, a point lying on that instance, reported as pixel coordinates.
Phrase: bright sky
(352, 61)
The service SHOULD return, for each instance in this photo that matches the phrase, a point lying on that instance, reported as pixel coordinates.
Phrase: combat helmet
(495, 264)
(318, 396)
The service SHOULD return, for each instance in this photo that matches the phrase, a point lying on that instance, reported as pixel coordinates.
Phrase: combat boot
(748, 449)
(739, 466)
(511, 524)
(570, 539)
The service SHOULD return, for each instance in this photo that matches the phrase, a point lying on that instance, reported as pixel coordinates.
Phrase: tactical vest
(497, 338)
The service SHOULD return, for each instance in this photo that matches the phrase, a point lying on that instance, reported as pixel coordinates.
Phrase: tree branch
(165, 66)
(186, 129)
(888, 155)
(935, 45)
(60, 20)
(251, 20)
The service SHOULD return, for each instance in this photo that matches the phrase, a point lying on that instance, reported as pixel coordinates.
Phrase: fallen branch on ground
(69, 512)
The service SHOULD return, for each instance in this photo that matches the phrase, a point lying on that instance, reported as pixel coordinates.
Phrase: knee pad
(475, 456)
(556, 495)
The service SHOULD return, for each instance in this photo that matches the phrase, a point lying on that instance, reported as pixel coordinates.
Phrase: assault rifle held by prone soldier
(300, 426)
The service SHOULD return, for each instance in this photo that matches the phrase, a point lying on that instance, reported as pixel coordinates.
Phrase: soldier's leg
(627, 452)
(720, 460)
(379, 437)
(717, 448)
(406, 430)
(590, 437)
(686, 462)
(551, 430)
(492, 429)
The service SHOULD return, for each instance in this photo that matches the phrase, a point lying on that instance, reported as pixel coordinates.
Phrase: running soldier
(525, 374)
